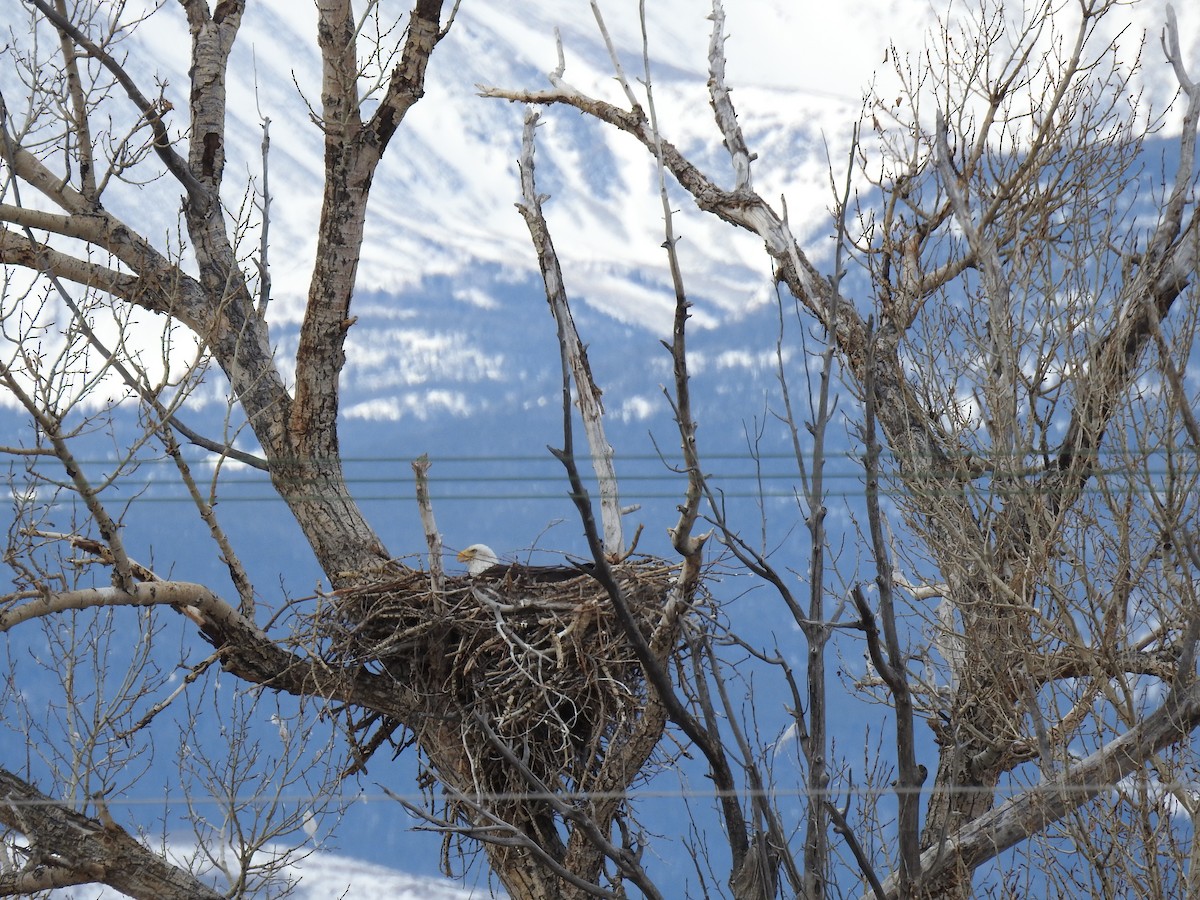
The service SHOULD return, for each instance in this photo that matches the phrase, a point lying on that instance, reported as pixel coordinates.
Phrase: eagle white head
(479, 558)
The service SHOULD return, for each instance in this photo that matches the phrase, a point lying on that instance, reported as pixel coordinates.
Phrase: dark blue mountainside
(477, 387)
(493, 480)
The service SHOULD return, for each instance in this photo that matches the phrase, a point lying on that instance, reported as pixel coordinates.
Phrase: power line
(636, 794)
(539, 478)
(771, 487)
(662, 459)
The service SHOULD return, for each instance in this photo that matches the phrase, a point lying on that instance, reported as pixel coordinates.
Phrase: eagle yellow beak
(479, 558)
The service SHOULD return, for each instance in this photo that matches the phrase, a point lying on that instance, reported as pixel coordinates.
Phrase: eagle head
(479, 558)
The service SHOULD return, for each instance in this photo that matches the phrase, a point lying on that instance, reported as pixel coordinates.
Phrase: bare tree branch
(587, 394)
(69, 848)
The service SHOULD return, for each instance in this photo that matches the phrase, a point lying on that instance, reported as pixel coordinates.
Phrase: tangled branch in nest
(539, 663)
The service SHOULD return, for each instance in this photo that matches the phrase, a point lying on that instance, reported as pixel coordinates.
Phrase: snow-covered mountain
(330, 876)
(449, 300)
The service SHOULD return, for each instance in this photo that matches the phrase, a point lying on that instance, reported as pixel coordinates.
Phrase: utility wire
(799, 791)
(528, 483)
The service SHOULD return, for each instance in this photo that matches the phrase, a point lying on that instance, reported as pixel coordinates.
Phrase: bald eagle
(479, 558)
(482, 562)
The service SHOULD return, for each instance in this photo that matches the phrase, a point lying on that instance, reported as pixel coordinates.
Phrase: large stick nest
(525, 659)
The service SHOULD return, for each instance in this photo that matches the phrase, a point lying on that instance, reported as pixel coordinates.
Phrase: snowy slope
(326, 876)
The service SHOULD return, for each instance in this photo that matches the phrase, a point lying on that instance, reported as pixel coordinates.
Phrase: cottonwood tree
(1010, 319)
(1019, 340)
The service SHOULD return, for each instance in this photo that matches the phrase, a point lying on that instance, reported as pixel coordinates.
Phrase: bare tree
(1015, 344)
(84, 132)
(1020, 313)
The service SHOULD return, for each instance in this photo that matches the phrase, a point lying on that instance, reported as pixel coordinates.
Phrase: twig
(718, 92)
(629, 867)
(175, 163)
(433, 537)
(51, 427)
(501, 833)
(261, 262)
(841, 826)
(184, 683)
(237, 572)
(138, 383)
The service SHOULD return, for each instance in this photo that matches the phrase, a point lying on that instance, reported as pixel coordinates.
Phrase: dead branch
(587, 394)
(433, 537)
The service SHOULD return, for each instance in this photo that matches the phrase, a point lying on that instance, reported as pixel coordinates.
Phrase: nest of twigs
(528, 671)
